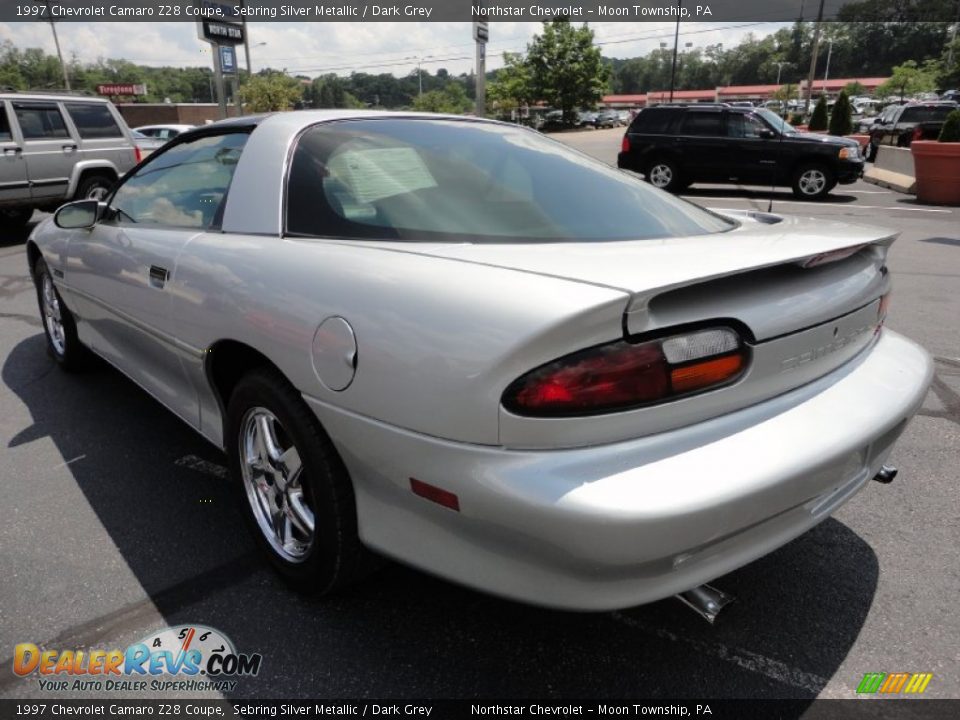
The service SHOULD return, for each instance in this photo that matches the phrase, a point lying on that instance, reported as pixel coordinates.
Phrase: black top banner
(180, 709)
(468, 10)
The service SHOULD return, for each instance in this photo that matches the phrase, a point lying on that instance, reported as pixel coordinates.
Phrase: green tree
(566, 69)
(511, 88)
(269, 92)
(452, 100)
(841, 121)
(909, 79)
(853, 89)
(950, 132)
(818, 121)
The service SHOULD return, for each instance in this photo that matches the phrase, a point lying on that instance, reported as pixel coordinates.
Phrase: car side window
(181, 187)
(653, 121)
(93, 120)
(702, 123)
(40, 121)
(5, 134)
(742, 125)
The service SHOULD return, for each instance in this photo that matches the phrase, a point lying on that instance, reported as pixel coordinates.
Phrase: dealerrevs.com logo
(894, 683)
(182, 658)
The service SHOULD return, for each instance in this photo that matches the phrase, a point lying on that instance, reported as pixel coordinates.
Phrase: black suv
(676, 145)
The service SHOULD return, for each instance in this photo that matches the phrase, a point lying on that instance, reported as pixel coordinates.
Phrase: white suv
(55, 148)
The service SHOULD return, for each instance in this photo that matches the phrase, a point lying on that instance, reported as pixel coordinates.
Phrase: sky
(315, 48)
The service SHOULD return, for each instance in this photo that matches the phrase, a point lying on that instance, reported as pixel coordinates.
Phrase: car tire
(94, 187)
(813, 181)
(15, 218)
(295, 494)
(664, 174)
(59, 325)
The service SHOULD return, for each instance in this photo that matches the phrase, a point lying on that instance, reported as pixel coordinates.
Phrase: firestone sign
(121, 89)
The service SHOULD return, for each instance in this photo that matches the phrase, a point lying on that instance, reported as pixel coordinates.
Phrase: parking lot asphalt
(117, 521)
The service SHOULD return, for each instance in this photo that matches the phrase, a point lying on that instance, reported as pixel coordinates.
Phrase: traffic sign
(481, 31)
(228, 59)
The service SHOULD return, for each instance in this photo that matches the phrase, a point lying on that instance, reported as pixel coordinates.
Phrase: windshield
(778, 123)
(462, 181)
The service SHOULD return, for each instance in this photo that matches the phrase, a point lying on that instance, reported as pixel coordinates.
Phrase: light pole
(826, 73)
(419, 60)
(780, 69)
(246, 51)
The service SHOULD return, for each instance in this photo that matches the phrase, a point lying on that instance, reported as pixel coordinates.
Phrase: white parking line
(746, 659)
(193, 462)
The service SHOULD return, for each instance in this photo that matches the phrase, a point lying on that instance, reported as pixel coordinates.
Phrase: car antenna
(776, 164)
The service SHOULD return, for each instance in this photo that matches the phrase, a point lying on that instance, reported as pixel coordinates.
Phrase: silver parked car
(462, 345)
(57, 148)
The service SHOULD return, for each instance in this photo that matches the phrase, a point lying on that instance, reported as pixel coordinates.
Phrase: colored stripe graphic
(893, 683)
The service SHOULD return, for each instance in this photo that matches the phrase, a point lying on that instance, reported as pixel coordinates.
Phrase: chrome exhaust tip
(706, 601)
(886, 475)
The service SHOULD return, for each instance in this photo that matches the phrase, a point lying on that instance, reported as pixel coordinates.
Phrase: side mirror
(79, 215)
(767, 134)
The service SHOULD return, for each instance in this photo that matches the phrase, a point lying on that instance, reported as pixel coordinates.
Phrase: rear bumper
(627, 523)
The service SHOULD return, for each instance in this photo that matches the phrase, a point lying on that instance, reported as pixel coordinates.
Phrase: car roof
(56, 97)
(165, 125)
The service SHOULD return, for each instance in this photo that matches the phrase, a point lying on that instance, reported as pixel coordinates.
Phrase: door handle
(12, 151)
(158, 276)
(69, 148)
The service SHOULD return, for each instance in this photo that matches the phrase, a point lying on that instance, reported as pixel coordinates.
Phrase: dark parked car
(900, 125)
(676, 145)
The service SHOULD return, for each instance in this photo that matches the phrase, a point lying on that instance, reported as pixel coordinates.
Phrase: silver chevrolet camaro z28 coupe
(462, 345)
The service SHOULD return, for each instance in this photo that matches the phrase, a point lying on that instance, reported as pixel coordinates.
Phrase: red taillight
(137, 154)
(917, 133)
(625, 143)
(623, 375)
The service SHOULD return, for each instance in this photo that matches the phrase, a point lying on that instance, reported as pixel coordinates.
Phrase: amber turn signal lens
(703, 374)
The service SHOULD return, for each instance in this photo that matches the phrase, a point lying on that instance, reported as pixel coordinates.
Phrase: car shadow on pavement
(9, 238)
(402, 633)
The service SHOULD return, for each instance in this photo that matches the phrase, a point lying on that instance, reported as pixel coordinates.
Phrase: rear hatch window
(461, 181)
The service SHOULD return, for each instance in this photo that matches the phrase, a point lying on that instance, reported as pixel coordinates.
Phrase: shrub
(950, 132)
(796, 119)
(818, 121)
(841, 122)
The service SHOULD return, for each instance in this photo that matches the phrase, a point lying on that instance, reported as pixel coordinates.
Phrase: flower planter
(937, 169)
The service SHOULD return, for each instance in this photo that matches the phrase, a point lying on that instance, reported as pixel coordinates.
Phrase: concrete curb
(893, 168)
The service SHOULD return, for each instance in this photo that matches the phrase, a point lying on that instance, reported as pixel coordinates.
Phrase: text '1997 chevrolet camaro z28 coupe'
(465, 346)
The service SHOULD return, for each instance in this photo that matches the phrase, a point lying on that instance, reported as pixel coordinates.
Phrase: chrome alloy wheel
(661, 175)
(812, 181)
(272, 473)
(52, 317)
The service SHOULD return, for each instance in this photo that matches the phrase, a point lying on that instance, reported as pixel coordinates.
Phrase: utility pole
(676, 37)
(953, 36)
(56, 41)
(813, 57)
(826, 73)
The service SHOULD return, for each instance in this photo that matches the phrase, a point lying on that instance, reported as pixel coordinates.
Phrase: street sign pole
(481, 79)
(218, 77)
(481, 33)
